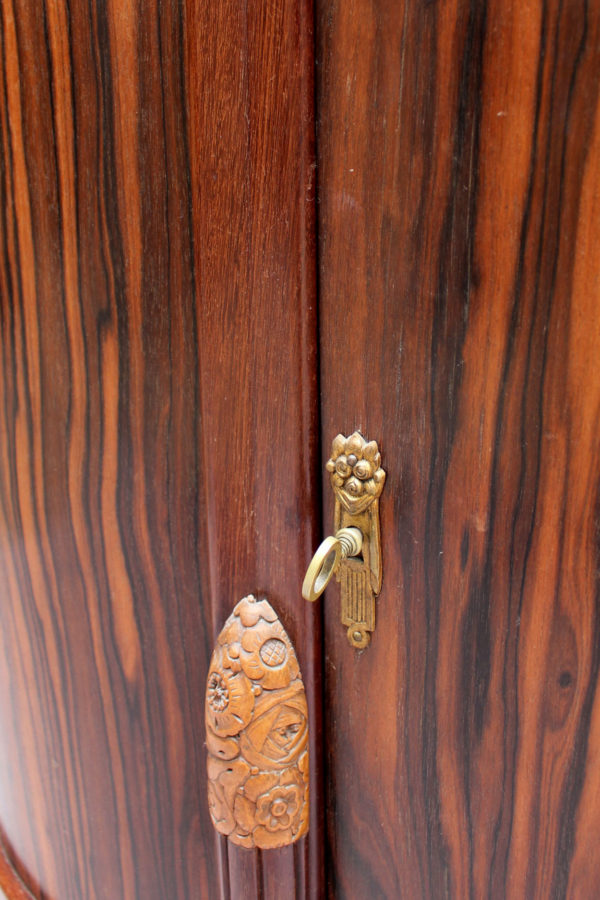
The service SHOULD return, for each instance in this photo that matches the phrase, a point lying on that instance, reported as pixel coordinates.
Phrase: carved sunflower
(229, 698)
(356, 473)
(266, 655)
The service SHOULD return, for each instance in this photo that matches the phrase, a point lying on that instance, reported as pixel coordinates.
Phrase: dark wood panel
(158, 431)
(459, 168)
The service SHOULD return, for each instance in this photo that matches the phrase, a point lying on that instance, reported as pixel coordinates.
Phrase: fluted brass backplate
(357, 480)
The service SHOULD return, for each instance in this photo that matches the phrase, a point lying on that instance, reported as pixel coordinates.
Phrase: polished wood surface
(459, 184)
(157, 438)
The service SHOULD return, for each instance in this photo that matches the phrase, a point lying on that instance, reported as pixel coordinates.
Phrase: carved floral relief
(256, 731)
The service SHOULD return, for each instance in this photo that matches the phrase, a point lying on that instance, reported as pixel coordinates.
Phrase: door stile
(249, 72)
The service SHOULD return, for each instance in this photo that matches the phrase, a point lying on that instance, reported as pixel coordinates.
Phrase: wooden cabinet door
(159, 427)
(459, 174)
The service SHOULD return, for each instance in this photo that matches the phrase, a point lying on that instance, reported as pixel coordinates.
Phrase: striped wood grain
(157, 435)
(459, 173)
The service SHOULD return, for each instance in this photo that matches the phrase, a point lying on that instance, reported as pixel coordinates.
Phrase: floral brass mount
(256, 731)
(353, 554)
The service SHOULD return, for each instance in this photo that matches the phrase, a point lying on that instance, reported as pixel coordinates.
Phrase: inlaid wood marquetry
(256, 731)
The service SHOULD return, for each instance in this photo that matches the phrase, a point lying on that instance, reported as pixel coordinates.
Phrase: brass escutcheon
(353, 553)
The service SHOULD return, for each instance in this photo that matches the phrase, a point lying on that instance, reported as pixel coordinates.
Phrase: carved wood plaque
(256, 731)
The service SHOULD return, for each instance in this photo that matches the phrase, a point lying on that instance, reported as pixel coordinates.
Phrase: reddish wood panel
(250, 74)
(158, 386)
(459, 182)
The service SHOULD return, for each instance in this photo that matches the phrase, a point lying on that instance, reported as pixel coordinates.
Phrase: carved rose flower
(270, 808)
(266, 656)
(229, 698)
(278, 732)
(355, 470)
